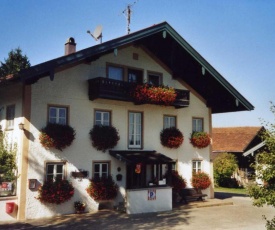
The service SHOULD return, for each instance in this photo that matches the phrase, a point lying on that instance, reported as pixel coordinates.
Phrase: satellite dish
(97, 33)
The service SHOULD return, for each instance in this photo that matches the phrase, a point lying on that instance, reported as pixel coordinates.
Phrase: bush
(200, 180)
(178, 182)
(171, 137)
(55, 192)
(102, 188)
(104, 137)
(56, 135)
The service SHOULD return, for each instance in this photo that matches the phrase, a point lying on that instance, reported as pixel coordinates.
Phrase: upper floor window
(169, 122)
(135, 76)
(55, 170)
(197, 124)
(102, 117)
(58, 115)
(115, 73)
(101, 169)
(10, 115)
(196, 166)
(135, 130)
(154, 78)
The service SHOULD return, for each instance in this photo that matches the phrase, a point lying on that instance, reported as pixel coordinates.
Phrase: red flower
(171, 137)
(200, 180)
(200, 139)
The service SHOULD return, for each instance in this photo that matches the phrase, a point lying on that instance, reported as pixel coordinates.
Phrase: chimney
(70, 46)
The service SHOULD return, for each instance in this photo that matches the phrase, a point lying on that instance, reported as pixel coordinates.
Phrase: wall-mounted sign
(152, 194)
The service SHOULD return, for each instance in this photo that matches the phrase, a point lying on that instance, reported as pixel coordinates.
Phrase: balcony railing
(106, 88)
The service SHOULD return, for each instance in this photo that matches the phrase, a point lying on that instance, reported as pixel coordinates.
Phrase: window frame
(55, 164)
(10, 116)
(153, 73)
(58, 107)
(194, 127)
(103, 111)
(169, 116)
(141, 131)
(198, 165)
(100, 171)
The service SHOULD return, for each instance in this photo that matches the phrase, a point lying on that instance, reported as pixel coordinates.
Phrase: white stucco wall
(70, 87)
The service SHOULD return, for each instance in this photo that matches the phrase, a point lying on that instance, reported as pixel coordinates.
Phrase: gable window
(135, 130)
(135, 76)
(55, 170)
(196, 166)
(169, 122)
(197, 124)
(58, 115)
(154, 78)
(10, 115)
(115, 73)
(102, 117)
(101, 169)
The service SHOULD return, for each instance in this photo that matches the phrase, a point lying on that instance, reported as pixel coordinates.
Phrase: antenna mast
(127, 12)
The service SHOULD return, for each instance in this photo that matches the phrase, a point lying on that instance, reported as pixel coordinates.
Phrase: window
(169, 121)
(154, 78)
(102, 118)
(135, 130)
(196, 166)
(101, 169)
(197, 124)
(55, 170)
(10, 116)
(135, 76)
(58, 115)
(115, 73)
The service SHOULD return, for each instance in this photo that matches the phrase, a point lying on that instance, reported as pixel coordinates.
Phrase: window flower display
(200, 180)
(171, 137)
(159, 95)
(57, 136)
(200, 139)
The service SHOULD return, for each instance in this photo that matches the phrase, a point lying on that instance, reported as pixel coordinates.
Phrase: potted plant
(104, 137)
(159, 95)
(55, 191)
(171, 137)
(200, 139)
(200, 181)
(102, 188)
(79, 206)
(58, 136)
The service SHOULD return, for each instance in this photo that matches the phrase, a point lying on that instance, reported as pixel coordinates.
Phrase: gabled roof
(235, 139)
(170, 48)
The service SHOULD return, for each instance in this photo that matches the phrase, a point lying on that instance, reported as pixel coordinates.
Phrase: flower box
(81, 174)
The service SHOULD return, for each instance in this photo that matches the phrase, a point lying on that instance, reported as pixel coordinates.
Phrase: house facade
(95, 86)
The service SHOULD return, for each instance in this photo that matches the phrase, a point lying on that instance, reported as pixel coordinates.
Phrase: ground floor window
(196, 166)
(101, 169)
(55, 170)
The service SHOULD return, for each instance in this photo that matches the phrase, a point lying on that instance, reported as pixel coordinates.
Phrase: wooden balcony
(106, 88)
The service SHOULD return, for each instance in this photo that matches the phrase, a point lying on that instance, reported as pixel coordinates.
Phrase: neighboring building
(93, 85)
(243, 142)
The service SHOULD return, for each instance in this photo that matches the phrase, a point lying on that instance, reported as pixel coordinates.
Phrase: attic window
(135, 56)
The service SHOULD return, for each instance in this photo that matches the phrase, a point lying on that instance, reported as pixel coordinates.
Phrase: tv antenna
(127, 12)
(97, 34)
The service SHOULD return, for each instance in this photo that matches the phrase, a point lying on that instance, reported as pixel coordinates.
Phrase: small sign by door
(152, 194)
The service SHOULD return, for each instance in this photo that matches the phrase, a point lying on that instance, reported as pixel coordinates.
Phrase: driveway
(241, 215)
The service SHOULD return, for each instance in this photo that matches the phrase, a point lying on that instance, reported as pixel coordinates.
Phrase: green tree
(15, 62)
(225, 164)
(265, 171)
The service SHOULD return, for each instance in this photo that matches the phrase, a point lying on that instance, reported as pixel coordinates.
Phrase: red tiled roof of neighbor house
(233, 139)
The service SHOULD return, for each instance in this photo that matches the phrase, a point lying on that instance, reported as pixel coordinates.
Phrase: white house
(93, 85)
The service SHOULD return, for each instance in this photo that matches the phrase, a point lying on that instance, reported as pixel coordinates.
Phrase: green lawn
(231, 190)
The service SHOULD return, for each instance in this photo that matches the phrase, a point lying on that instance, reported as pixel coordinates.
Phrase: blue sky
(237, 37)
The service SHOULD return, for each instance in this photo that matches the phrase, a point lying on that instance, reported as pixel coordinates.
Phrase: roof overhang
(162, 41)
(145, 157)
(255, 148)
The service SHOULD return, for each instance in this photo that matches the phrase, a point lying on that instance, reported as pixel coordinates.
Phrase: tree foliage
(225, 165)
(265, 168)
(15, 62)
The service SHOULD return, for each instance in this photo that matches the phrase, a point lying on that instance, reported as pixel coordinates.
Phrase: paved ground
(215, 214)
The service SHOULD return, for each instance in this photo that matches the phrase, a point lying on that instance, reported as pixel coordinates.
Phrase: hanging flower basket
(56, 136)
(171, 137)
(159, 95)
(55, 192)
(102, 188)
(200, 180)
(200, 139)
(104, 137)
